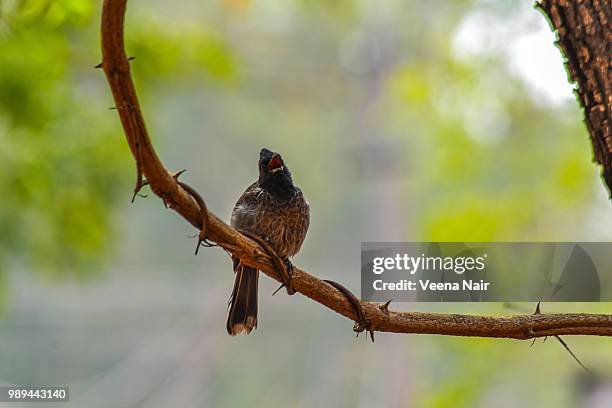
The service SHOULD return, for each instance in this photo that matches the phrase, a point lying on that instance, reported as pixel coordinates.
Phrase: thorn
(136, 193)
(203, 243)
(178, 174)
(279, 288)
(131, 58)
(112, 108)
(572, 354)
(539, 6)
(537, 310)
(385, 306)
(358, 328)
(140, 184)
(98, 66)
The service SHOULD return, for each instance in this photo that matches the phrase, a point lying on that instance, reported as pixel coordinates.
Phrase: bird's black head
(274, 176)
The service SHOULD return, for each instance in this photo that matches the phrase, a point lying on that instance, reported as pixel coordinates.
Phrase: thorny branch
(367, 315)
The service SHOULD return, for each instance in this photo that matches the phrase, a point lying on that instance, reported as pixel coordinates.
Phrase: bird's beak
(275, 164)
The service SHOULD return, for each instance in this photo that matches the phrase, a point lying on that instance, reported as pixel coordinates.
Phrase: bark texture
(584, 32)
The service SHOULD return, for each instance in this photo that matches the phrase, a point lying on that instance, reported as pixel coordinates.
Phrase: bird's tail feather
(243, 302)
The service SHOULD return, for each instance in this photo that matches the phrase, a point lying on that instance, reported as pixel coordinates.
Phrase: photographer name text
(426, 285)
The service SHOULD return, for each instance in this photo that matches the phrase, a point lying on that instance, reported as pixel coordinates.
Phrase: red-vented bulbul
(274, 209)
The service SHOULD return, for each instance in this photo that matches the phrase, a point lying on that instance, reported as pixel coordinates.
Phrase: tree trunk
(584, 32)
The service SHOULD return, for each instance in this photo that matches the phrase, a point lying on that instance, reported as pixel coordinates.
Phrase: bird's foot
(289, 267)
(279, 264)
(289, 278)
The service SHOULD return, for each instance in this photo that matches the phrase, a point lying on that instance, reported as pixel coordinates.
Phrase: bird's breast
(283, 223)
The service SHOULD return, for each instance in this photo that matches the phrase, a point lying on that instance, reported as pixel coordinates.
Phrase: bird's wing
(300, 221)
(245, 211)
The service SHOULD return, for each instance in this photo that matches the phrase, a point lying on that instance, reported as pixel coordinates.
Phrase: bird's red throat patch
(275, 163)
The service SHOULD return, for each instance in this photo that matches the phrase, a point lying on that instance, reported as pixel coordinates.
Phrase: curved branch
(117, 69)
